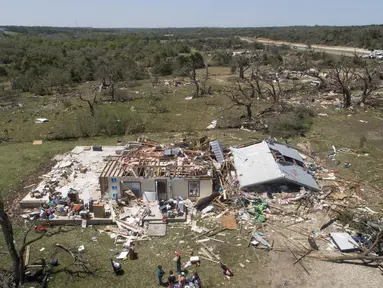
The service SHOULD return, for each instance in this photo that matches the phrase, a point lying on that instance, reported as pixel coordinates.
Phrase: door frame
(166, 188)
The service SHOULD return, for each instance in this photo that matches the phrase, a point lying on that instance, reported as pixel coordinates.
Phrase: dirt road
(347, 51)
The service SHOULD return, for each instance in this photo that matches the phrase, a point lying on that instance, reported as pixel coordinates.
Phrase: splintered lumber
(206, 253)
(113, 213)
(203, 240)
(130, 227)
(210, 238)
(219, 203)
(203, 234)
(216, 232)
(209, 259)
(221, 214)
(345, 257)
(296, 244)
(211, 252)
(303, 256)
(296, 258)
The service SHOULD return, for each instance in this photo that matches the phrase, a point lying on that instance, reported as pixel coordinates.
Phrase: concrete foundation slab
(29, 202)
(157, 229)
(157, 216)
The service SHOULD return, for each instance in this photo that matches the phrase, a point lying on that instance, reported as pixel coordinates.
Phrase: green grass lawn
(157, 251)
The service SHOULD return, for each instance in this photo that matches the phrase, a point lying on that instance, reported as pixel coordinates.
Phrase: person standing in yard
(131, 251)
(172, 278)
(197, 280)
(178, 262)
(160, 274)
(226, 270)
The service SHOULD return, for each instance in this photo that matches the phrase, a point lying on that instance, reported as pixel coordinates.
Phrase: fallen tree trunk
(345, 257)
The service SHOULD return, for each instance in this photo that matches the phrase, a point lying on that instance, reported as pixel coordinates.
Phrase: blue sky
(194, 13)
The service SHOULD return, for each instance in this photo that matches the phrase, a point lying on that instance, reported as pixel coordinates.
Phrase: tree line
(369, 36)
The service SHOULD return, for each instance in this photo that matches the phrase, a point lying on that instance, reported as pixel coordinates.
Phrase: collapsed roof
(268, 163)
(144, 161)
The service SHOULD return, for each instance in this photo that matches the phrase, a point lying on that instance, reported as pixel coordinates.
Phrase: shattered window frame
(130, 183)
(194, 188)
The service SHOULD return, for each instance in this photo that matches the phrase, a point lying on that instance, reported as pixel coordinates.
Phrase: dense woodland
(369, 37)
(37, 62)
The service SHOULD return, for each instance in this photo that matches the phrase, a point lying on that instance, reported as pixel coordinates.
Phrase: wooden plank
(27, 252)
(130, 227)
(210, 251)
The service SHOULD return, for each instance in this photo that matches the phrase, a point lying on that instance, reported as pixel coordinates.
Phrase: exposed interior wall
(175, 187)
(180, 187)
(114, 187)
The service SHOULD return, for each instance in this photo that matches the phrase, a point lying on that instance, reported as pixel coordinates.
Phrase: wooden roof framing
(139, 163)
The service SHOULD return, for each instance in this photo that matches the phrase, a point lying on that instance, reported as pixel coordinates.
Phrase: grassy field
(157, 251)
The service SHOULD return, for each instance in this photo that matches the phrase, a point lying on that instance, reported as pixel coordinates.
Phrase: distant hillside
(369, 37)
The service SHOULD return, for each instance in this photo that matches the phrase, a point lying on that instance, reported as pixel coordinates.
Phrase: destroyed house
(157, 174)
(271, 163)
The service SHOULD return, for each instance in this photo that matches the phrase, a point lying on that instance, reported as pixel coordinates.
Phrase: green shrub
(298, 121)
(105, 123)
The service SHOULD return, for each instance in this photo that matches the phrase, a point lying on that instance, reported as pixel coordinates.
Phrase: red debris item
(164, 219)
(40, 229)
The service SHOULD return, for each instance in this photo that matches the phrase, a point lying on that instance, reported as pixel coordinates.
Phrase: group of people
(178, 282)
(182, 280)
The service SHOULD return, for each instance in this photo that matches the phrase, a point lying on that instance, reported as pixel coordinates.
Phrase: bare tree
(369, 76)
(275, 90)
(111, 70)
(242, 63)
(256, 77)
(193, 77)
(194, 62)
(342, 78)
(317, 73)
(91, 102)
(17, 255)
(243, 95)
(206, 90)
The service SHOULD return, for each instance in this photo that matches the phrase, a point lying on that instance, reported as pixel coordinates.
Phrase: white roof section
(256, 165)
(285, 150)
(296, 174)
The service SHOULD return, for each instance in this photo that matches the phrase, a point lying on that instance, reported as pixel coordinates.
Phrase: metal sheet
(299, 176)
(285, 150)
(344, 242)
